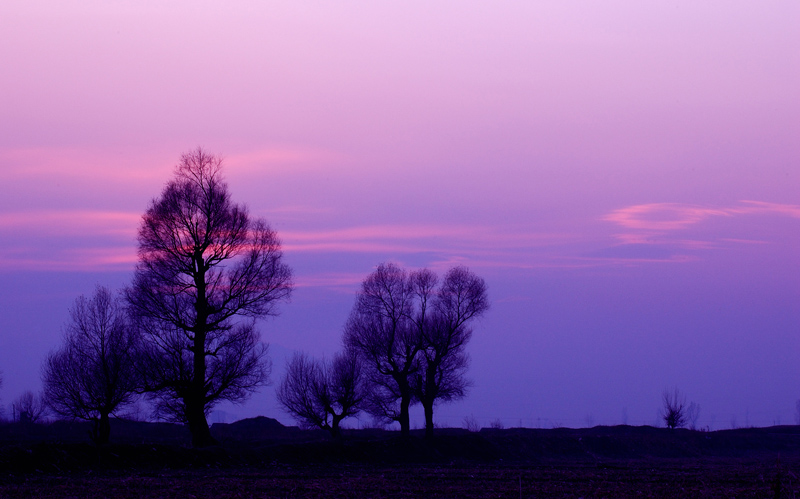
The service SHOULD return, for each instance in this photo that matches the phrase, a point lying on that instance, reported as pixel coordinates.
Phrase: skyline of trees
(207, 271)
(318, 393)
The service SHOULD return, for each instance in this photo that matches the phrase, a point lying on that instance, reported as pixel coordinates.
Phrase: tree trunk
(428, 405)
(103, 429)
(198, 426)
(336, 431)
(403, 417)
(195, 403)
(430, 395)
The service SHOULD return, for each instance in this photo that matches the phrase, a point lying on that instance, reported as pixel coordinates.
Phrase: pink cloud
(664, 217)
(331, 280)
(661, 216)
(656, 238)
(416, 238)
(72, 222)
(761, 207)
(657, 224)
(81, 259)
(93, 164)
(280, 158)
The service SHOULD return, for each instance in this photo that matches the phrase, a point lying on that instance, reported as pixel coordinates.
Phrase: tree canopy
(207, 271)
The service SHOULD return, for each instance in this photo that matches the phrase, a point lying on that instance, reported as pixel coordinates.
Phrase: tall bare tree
(381, 331)
(321, 394)
(93, 374)
(207, 271)
(445, 331)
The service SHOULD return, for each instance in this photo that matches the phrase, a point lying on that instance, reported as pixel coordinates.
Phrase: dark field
(673, 478)
(258, 458)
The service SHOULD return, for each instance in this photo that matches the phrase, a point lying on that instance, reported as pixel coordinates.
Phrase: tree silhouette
(674, 408)
(445, 332)
(207, 271)
(381, 332)
(411, 333)
(93, 373)
(28, 408)
(321, 394)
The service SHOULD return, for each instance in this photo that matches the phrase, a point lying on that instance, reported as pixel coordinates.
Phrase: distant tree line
(183, 334)
(404, 343)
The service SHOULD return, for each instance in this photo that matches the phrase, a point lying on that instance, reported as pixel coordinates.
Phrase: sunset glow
(624, 175)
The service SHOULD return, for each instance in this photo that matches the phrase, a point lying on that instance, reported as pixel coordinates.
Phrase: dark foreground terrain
(261, 458)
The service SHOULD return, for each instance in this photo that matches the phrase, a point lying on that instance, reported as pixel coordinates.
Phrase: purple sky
(625, 176)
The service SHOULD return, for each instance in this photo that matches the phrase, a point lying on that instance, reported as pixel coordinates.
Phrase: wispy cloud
(659, 224)
(279, 158)
(414, 238)
(75, 259)
(96, 165)
(71, 222)
(761, 207)
(84, 239)
(118, 165)
(663, 217)
(89, 232)
(345, 281)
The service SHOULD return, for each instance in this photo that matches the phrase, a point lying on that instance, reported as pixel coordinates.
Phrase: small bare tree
(674, 408)
(93, 374)
(28, 408)
(471, 424)
(321, 394)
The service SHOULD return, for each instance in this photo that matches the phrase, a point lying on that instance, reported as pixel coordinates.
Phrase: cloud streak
(663, 217)
(82, 164)
(84, 238)
(657, 224)
(78, 223)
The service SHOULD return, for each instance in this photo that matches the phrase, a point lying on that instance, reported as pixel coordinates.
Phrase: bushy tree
(411, 332)
(381, 331)
(93, 374)
(322, 393)
(445, 332)
(207, 271)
